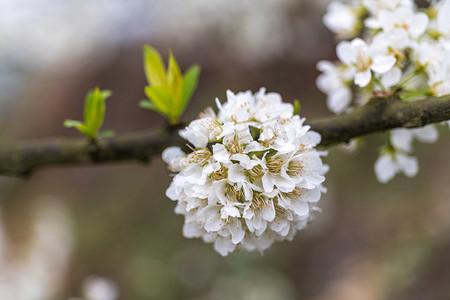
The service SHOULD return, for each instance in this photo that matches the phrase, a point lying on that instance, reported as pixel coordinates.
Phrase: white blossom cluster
(390, 47)
(253, 176)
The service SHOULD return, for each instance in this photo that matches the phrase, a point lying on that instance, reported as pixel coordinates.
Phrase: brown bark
(380, 114)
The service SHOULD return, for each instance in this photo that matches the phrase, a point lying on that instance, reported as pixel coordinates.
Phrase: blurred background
(108, 232)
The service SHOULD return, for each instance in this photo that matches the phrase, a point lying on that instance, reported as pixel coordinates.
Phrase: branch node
(93, 150)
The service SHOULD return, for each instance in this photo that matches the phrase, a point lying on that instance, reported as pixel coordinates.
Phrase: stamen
(234, 194)
(294, 195)
(208, 112)
(268, 142)
(220, 174)
(236, 146)
(274, 165)
(294, 168)
(258, 201)
(255, 174)
(200, 157)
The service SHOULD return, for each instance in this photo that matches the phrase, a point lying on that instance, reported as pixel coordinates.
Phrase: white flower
(389, 47)
(391, 163)
(201, 131)
(333, 81)
(404, 42)
(376, 6)
(434, 57)
(175, 158)
(439, 77)
(402, 138)
(442, 19)
(357, 55)
(395, 158)
(341, 19)
(238, 108)
(402, 51)
(269, 106)
(255, 182)
(415, 23)
(440, 88)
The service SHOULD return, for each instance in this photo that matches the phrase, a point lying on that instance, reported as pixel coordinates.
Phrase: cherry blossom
(357, 54)
(391, 163)
(342, 19)
(253, 176)
(398, 50)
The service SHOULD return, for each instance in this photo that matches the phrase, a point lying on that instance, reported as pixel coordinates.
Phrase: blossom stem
(408, 95)
(409, 77)
(380, 84)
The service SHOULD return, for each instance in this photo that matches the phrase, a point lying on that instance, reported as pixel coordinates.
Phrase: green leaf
(154, 67)
(160, 97)
(296, 107)
(175, 80)
(190, 81)
(72, 123)
(147, 104)
(107, 133)
(169, 91)
(88, 107)
(94, 113)
(106, 94)
(99, 102)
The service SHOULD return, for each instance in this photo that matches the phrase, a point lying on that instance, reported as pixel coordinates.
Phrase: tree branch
(380, 114)
(20, 159)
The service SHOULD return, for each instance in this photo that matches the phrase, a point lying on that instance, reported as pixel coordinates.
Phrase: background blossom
(401, 50)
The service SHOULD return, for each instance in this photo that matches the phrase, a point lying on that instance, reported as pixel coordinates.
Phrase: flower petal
(419, 24)
(236, 173)
(385, 168)
(383, 63)
(220, 153)
(363, 78)
(427, 134)
(339, 99)
(408, 165)
(391, 77)
(268, 212)
(192, 230)
(401, 138)
(346, 53)
(300, 208)
(224, 246)
(237, 234)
